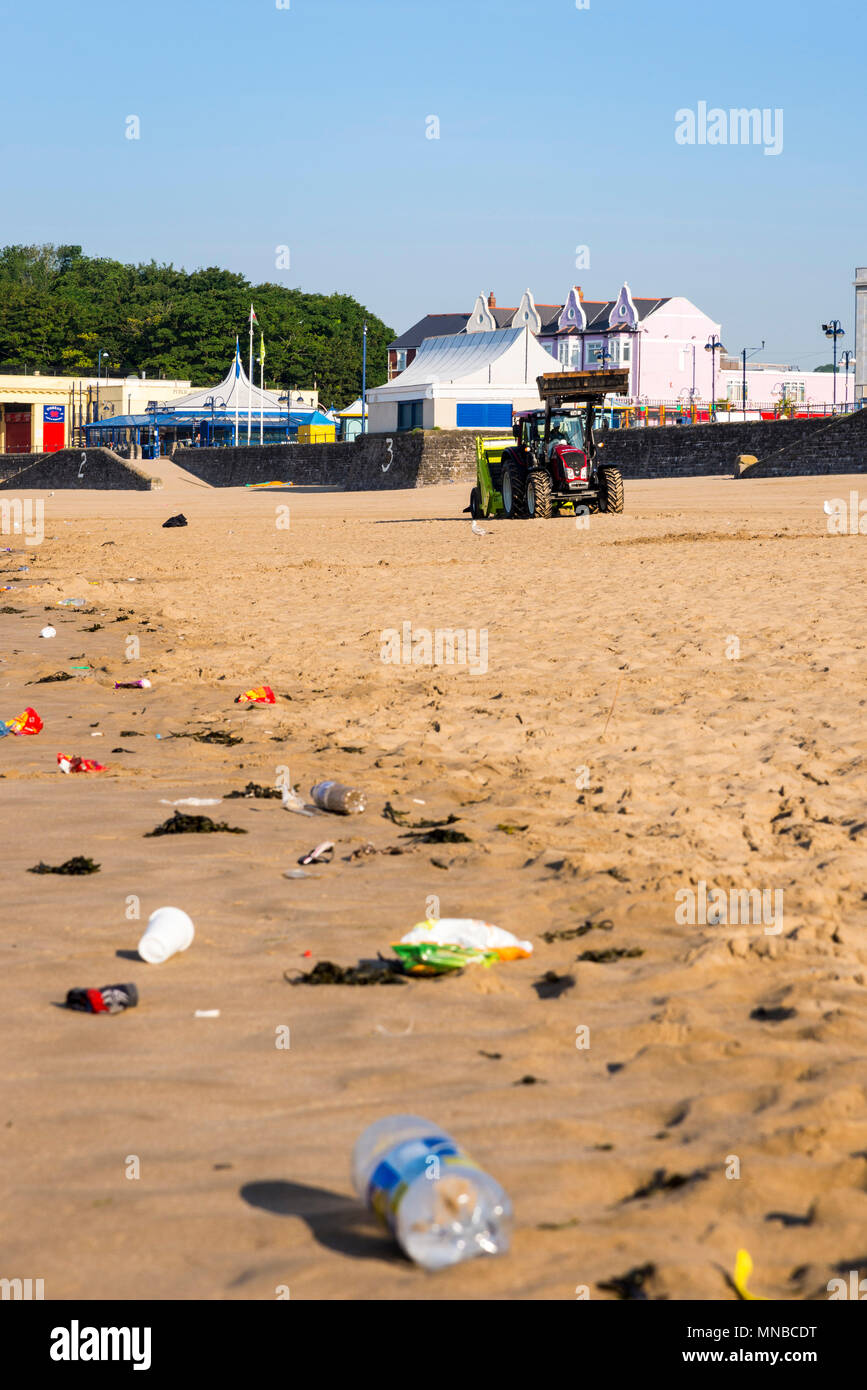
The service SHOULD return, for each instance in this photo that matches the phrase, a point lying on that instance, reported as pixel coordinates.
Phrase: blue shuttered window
(488, 416)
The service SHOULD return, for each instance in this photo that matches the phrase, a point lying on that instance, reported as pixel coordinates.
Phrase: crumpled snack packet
(67, 763)
(470, 933)
(259, 695)
(429, 958)
(26, 723)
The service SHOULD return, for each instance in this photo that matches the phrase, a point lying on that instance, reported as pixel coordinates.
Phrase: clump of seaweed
(77, 865)
(367, 972)
(254, 789)
(180, 824)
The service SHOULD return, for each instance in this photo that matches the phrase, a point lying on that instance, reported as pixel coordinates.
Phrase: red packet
(260, 695)
(67, 763)
(26, 723)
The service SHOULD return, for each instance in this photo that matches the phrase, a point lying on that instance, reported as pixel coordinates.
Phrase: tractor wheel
(611, 492)
(475, 504)
(538, 495)
(512, 487)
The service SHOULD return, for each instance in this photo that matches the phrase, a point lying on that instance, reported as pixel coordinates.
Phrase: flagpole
(237, 391)
(261, 386)
(250, 381)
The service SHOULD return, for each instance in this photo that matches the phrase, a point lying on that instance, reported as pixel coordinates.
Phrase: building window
(794, 391)
(735, 391)
(483, 416)
(409, 415)
(595, 353)
(569, 354)
(621, 352)
(400, 359)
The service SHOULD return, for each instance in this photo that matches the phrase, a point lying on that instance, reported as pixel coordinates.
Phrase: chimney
(492, 303)
(580, 294)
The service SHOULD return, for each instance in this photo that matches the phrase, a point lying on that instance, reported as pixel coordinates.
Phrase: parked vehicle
(553, 463)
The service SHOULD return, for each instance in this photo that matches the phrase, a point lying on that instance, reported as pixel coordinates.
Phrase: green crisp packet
(429, 958)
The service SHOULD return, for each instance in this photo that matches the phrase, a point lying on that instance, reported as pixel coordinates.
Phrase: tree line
(58, 308)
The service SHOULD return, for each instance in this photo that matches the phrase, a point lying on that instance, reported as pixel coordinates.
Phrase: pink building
(660, 340)
(664, 344)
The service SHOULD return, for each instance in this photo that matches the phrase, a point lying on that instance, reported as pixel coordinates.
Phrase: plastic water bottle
(333, 796)
(438, 1204)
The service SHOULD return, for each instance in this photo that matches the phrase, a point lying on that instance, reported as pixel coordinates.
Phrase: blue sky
(305, 126)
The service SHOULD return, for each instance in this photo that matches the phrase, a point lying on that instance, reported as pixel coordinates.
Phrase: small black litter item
(529, 1080)
(552, 985)
(179, 824)
(179, 520)
(77, 865)
(630, 1286)
(788, 1218)
(131, 733)
(665, 1182)
(772, 1015)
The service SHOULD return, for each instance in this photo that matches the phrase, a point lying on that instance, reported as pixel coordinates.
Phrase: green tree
(58, 308)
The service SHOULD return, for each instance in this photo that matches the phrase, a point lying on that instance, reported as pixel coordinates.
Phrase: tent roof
(505, 357)
(166, 420)
(227, 390)
(129, 422)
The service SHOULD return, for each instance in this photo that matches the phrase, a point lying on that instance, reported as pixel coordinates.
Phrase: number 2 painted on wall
(389, 443)
(83, 462)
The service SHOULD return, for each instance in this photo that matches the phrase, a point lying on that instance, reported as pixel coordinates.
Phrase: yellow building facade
(46, 412)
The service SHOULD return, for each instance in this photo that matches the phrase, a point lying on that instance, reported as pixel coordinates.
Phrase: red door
(53, 427)
(18, 431)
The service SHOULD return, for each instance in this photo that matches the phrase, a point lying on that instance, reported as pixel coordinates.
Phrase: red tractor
(555, 465)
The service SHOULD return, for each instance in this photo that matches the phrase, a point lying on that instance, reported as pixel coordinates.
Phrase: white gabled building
(469, 380)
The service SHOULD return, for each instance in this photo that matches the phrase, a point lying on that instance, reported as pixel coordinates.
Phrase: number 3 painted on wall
(389, 445)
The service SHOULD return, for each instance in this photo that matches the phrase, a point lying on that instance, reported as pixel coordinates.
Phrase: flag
(253, 318)
(262, 348)
(237, 359)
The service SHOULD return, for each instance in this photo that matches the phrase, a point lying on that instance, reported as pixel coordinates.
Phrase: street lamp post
(364, 381)
(213, 402)
(713, 346)
(752, 352)
(288, 399)
(846, 358)
(98, 374)
(834, 330)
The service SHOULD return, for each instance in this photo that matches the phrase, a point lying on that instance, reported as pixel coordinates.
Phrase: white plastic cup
(48, 632)
(168, 931)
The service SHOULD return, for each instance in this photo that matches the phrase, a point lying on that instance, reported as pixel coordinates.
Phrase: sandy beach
(669, 698)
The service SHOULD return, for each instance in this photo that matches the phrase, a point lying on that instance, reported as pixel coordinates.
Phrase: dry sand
(745, 773)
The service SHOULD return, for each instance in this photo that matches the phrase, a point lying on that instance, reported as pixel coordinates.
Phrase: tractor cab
(553, 466)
